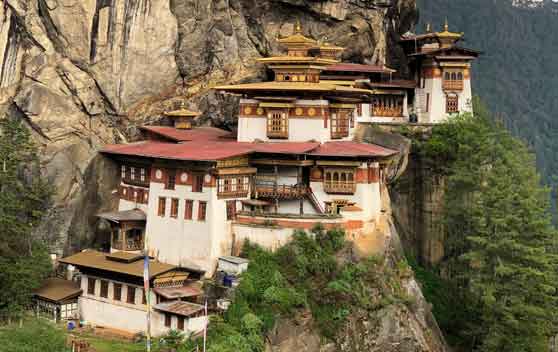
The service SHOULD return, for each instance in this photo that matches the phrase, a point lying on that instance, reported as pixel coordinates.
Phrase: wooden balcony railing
(281, 191)
(387, 112)
(452, 85)
(340, 187)
(131, 245)
(278, 134)
(232, 194)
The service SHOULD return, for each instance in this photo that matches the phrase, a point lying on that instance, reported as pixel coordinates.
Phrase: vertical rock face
(83, 73)
(417, 198)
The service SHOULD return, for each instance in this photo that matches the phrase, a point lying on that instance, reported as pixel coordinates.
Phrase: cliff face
(395, 327)
(84, 73)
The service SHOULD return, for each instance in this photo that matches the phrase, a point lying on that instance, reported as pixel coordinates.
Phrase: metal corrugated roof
(98, 260)
(194, 151)
(180, 308)
(178, 135)
(127, 215)
(352, 149)
(58, 290)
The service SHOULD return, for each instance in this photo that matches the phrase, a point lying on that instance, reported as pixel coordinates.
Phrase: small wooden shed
(58, 299)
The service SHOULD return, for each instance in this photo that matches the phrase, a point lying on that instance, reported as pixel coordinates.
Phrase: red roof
(349, 67)
(196, 150)
(205, 145)
(178, 135)
(352, 149)
(285, 147)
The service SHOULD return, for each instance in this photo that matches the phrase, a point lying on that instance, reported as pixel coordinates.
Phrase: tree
(501, 243)
(25, 197)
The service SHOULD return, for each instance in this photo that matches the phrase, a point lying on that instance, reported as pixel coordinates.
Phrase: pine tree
(501, 243)
(24, 199)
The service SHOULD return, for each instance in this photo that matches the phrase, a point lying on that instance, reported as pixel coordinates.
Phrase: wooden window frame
(340, 123)
(188, 209)
(168, 320)
(277, 124)
(143, 297)
(123, 172)
(202, 211)
(452, 79)
(132, 173)
(340, 181)
(116, 291)
(233, 186)
(91, 283)
(231, 210)
(104, 289)
(197, 183)
(170, 182)
(452, 104)
(180, 323)
(175, 203)
(131, 295)
(162, 207)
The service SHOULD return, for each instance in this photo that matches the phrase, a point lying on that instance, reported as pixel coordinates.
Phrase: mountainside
(516, 75)
(84, 73)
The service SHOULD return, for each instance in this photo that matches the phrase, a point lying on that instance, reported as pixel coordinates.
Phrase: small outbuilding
(57, 299)
(233, 265)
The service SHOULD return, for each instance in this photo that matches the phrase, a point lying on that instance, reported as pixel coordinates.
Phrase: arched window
(447, 76)
(340, 181)
(460, 76)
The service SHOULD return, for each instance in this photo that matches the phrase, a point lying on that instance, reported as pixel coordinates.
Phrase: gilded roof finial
(446, 26)
(428, 27)
(298, 27)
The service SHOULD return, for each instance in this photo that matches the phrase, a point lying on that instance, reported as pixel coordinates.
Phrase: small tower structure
(442, 69)
(182, 118)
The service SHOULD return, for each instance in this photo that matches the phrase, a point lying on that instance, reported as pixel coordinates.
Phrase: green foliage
(306, 273)
(516, 72)
(500, 242)
(35, 336)
(24, 199)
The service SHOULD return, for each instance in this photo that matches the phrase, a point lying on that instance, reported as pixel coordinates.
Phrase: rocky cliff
(83, 73)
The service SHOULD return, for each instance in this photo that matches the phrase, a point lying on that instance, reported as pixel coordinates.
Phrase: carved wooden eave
(282, 162)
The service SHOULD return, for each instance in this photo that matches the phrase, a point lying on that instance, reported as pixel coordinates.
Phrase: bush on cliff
(310, 273)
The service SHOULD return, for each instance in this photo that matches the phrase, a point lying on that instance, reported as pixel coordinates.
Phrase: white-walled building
(195, 194)
(114, 297)
(188, 196)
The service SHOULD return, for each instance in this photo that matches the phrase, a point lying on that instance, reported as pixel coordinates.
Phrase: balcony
(452, 85)
(131, 245)
(387, 112)
(340, 187)
(133, 240)
(280, 191)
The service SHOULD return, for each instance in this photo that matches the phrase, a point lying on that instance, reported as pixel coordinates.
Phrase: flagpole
(147, 299)
(205, 329)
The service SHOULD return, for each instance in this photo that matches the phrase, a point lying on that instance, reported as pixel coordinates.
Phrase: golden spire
(298, 27)
(446, 26)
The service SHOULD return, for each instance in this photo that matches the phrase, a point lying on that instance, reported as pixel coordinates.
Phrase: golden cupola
(182, 118)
